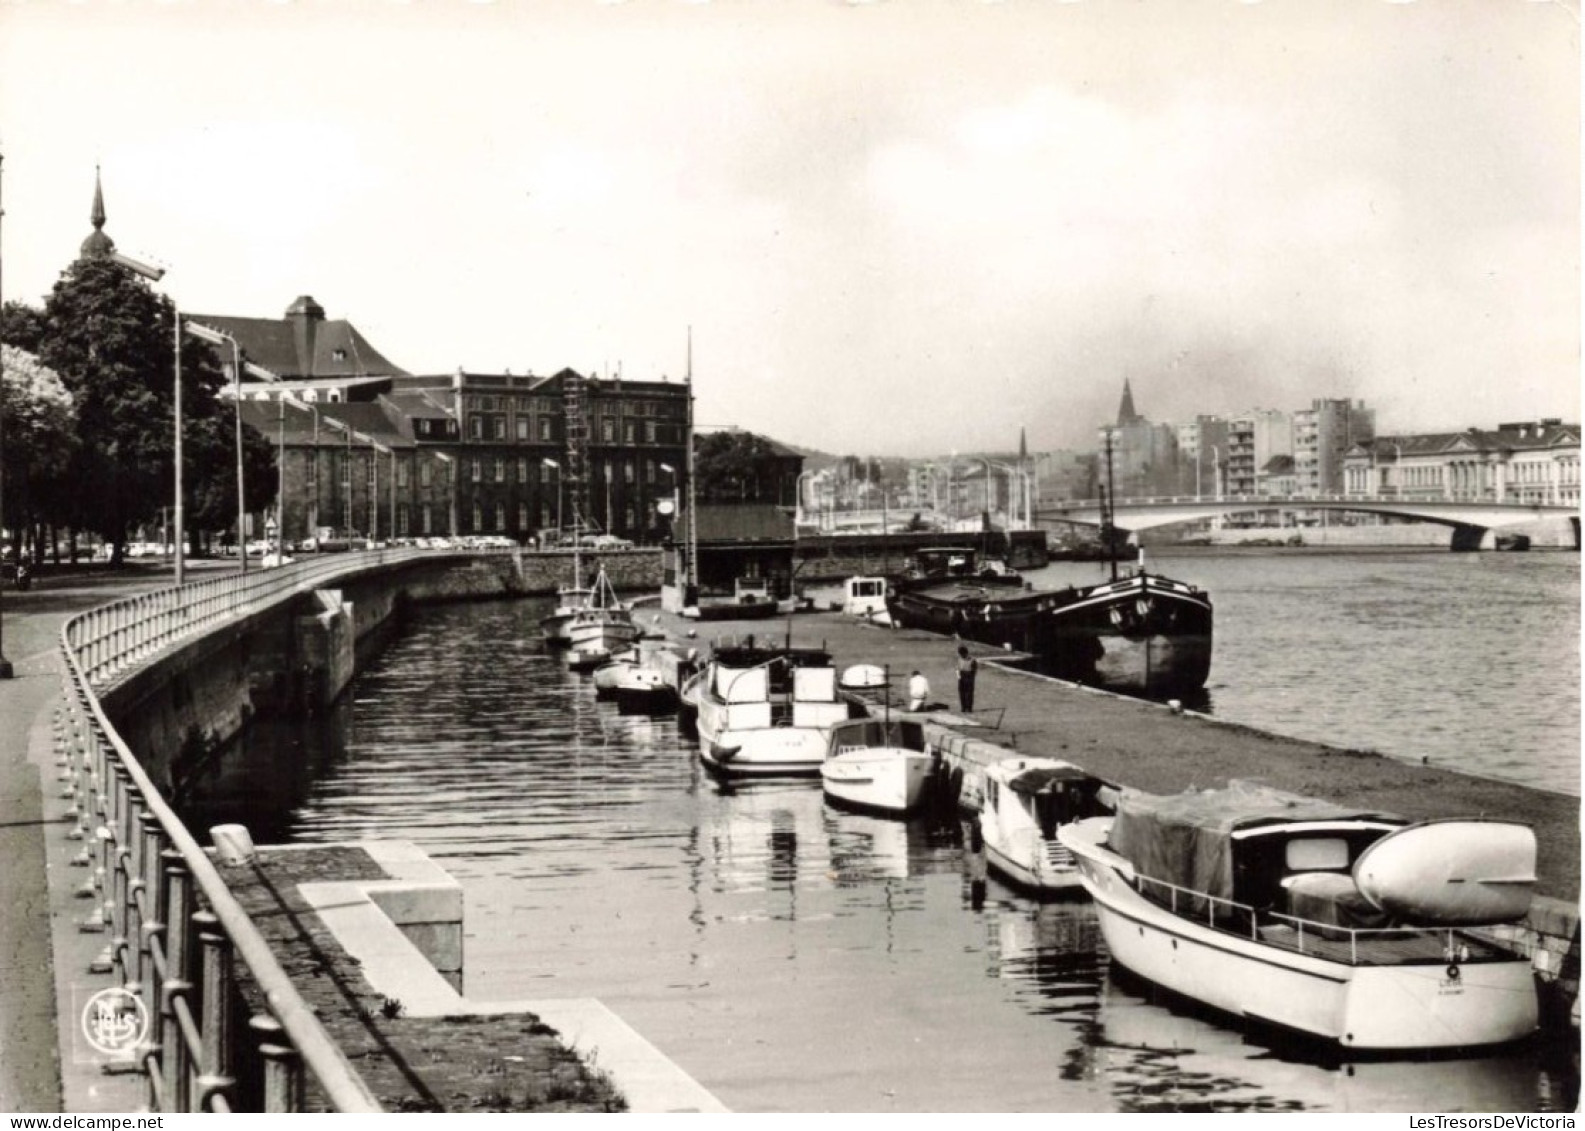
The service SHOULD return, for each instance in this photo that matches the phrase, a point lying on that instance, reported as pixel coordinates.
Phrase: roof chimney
(305, 315)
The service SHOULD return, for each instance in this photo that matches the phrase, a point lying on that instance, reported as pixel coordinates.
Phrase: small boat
(765, 709)
(1340, 924)
(642, 690)
(606, 675)
(569, 600)
(1025, 802)
(878, 766)
(864, 596)
(602, 628)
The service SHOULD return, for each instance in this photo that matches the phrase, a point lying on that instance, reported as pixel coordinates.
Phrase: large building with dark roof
(303, 346)
(367, 448)
(470, 454)
(1518, 462)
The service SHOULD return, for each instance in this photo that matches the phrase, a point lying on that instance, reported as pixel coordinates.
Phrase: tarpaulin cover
(1185, 838)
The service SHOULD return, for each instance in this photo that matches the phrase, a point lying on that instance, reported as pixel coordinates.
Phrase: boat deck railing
(1353, 946)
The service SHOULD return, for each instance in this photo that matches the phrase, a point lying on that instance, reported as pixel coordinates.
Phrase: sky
(902, 227)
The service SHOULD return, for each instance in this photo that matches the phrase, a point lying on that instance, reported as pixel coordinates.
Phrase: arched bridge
(1469, 518)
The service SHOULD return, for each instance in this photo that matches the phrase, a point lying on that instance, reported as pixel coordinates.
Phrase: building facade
(367, 449)
(1519, 462)
(1322, 437)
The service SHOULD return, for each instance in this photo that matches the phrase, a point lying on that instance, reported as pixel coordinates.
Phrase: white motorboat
(1340, 924)
(864, 596)
(878, 765)
(1025, 801)
(602, 628)
(765, 709)
(642, 690)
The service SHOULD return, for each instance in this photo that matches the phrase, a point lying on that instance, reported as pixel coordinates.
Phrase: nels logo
(115, 1022)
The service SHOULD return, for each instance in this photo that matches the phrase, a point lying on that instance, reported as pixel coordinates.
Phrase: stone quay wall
(299, 656)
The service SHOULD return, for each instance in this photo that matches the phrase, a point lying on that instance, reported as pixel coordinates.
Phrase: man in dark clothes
(967, 666)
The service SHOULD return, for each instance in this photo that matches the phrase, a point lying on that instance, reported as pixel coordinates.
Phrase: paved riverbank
(1148, 746)
(44, 957)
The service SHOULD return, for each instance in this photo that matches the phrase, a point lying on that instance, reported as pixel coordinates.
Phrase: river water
(794, 958)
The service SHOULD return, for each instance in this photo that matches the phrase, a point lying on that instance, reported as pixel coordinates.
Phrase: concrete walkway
(44, 957)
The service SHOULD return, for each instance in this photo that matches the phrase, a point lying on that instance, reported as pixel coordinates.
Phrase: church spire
(98, 216)
(1125, 411)
(98, 245)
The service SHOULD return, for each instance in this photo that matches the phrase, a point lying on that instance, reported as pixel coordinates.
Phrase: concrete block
(440, 943)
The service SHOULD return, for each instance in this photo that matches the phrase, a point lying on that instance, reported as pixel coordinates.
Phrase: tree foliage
(40, 420)
(733, 467)
(22, 326)
(111, 339)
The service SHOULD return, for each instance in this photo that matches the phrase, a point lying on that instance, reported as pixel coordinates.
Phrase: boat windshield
(943, 562)
(875, 733)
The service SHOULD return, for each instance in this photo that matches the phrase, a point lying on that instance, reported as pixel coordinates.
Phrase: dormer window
(339, 355)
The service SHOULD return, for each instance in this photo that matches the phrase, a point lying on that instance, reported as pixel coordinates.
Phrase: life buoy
(1452, 972)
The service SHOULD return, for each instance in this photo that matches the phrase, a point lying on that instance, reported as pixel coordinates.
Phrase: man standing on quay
(967, 667)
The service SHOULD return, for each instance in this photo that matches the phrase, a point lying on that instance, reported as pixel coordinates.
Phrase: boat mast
(691, 545)
(1108, 510)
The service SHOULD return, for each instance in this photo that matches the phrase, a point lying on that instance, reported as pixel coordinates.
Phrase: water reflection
(788, 955)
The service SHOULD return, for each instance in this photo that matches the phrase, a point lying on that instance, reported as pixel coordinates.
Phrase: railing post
(215, 1065)
(155, 895)
(132, 867)
(174, 1061)
(283, 1067)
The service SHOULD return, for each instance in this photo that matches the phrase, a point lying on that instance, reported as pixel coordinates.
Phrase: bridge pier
(1467, 538)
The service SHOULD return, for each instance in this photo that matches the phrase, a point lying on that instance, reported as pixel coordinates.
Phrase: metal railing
(1355, 946)
(1390, 496)
(175, 930)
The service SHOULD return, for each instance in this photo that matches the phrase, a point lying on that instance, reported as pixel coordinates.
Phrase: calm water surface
(794, 958)
(1472, 660)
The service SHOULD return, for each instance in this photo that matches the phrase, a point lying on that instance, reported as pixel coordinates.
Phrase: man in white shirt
(918, 692)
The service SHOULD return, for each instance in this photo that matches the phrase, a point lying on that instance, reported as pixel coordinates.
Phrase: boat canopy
(1187, 838)
(1048, 779)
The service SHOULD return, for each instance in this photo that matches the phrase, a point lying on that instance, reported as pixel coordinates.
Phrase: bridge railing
(176, 932)
(1390, 497)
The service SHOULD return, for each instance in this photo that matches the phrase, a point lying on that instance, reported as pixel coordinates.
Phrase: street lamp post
(548, 462)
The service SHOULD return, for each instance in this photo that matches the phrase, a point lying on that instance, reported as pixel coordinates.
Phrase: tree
(40, 434)
(110, 337)
(210, 485)
(22, 326)
(734, 467)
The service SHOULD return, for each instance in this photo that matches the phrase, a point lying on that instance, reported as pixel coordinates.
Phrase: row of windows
(601, 471)
(431, 520)
(548, 406)
(481, 427)
(357, 464)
